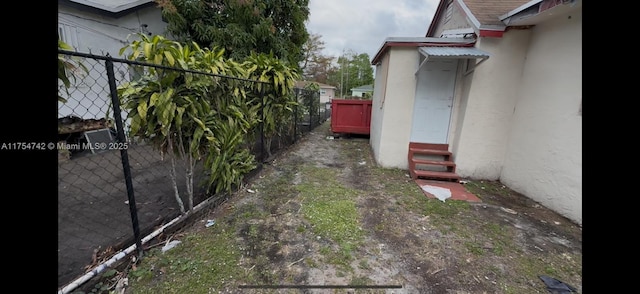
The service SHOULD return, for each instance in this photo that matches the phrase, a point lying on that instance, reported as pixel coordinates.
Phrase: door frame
(453, 103)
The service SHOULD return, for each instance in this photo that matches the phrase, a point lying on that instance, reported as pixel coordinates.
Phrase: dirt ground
(94, 220)
(405, 241)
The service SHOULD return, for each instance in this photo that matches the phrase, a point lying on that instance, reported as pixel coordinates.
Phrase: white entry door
(434, 101)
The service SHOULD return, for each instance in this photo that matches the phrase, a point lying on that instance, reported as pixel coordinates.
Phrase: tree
(315, 65)
(241, 26)
(353, 70)
(360, 71)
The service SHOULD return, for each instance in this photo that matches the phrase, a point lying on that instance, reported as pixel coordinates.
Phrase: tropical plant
(66, 69)
(156, 103)
(192, 116)
(234, 113)
(277, 92)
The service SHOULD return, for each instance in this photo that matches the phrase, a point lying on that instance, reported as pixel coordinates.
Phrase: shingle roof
(488, 12)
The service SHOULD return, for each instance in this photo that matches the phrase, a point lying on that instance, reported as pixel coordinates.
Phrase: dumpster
(351, 116)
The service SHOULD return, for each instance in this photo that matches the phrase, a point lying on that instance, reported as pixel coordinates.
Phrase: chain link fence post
(121, 139)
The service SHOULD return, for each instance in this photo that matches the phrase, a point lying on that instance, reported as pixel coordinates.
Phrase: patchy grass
(242, 214)
(312, 210)
(202, 263)
(444, 210)
(396, 184)
(525, 276)
(330, 209)
(488, 187)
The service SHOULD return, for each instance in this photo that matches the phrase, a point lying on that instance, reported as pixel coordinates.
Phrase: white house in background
(360, 91)
(498, 85)
(327, 92)
(102, 27)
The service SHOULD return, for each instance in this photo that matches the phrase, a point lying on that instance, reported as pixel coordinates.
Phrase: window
(448, 12)
(323, 92)
(68, 34)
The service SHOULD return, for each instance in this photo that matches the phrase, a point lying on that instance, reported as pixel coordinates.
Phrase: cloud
(362, 25)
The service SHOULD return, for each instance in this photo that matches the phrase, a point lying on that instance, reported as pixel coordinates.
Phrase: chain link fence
(113, 190)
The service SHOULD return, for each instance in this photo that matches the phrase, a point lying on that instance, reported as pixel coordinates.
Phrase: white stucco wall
(101, 34)
(377, 111)
(485, 124)
(544, 155)
(98, 34)
(391, 139)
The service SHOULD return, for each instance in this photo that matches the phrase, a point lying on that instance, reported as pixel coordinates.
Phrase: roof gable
(483, 15)
(490, 18)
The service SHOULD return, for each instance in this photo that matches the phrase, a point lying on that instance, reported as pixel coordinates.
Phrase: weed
(474, 248)
(363, 264)
(361, 281)
(310, 262)
(325, 250)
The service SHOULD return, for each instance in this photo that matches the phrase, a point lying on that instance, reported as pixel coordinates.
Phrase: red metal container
(351, 116)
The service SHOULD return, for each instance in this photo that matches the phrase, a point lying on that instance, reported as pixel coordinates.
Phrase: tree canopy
(315, 66)
(241, 27)
(353, 70)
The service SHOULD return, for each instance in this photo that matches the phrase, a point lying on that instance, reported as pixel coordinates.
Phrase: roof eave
(539, 12)
(519, 9)
(495, 31)
(108, 10)
(482, 30)
(394, 42)
(436, 16)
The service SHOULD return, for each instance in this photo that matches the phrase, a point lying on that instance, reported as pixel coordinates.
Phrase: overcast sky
(362, 25)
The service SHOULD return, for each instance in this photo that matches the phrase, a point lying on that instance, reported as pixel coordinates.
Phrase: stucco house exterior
(360, 91)
(495, 86)
(102, 27)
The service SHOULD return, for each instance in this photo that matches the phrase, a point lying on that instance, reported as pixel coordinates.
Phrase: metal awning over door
(454, 53)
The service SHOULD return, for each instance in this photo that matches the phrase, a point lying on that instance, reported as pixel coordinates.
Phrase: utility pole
(342, 75)
(347, 82)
